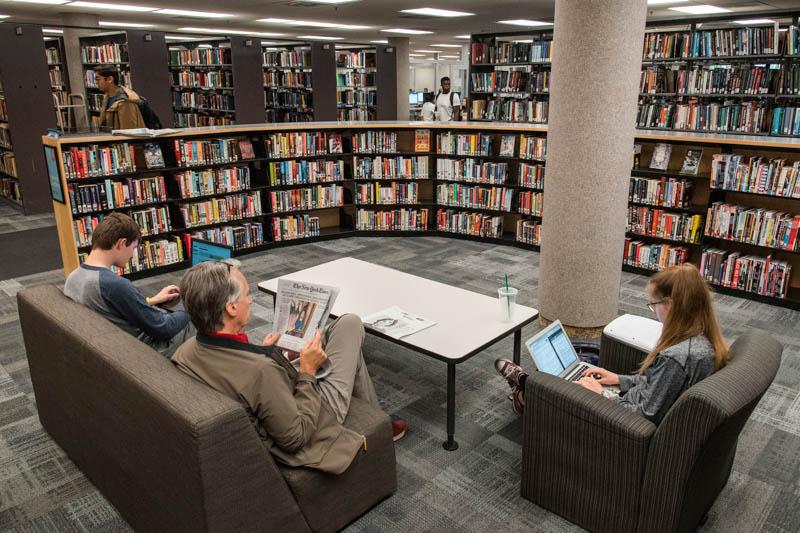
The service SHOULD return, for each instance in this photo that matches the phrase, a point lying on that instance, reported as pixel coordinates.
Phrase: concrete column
(401, 46)
(594, 90)
(77, 25)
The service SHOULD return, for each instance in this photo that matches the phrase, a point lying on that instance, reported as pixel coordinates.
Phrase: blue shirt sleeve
(122, 296)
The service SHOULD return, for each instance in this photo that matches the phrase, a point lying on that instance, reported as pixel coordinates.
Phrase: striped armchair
(606, 469)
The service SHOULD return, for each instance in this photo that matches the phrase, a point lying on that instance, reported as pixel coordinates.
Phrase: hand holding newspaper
(301, 309)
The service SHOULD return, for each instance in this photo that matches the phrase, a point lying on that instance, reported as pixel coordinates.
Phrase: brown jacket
(123, 114)
(297, 426)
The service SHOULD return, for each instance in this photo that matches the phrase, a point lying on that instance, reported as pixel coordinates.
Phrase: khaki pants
(349, 376)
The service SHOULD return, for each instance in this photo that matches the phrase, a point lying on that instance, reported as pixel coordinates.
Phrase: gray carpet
(473, 489)
(22, 259)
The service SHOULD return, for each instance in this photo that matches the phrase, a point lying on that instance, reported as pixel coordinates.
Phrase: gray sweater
(673, 371)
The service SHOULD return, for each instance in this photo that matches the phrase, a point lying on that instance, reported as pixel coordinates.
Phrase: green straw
(508, 297)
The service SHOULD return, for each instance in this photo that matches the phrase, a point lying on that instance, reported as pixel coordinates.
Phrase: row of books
(209, 101)
(357, 114)
(198, 120)
(241, 236)
(394, 193)
(96, 160)
(720, 79)
(653, 256)
(751, 273)
(303, 144)
(5, 137)
(288, 99)
(287, 78)
(374, 142)
(379, 168)
(56, 76)
(711, 43)
(472, 170)
(105, 53)
(200, 56)
(288, 115)
(211, 151)
(538, 51)
(53, 55)
(792, 46)
(223, 209)
(94, 102)
(729, 116)
(204, 79)
(664, 192)
(529, 232)
(151, 254)
(466, 223)
(753, 225)
(756, 174)
(457, 195)
(531, 175)
(355, 59)
(392, 220)
(356, 97)
(531, 147)
(8, 163)
(299, 172)
(9, 188)
(3, 108)
(295, 227)
(307, 198)
(91, 83)
(530, 203)
(295, 57)
(785, 121)
(116, 194)
(194, 183)
(655, 222)
(477, 144)
(514, 81)
(355, 79)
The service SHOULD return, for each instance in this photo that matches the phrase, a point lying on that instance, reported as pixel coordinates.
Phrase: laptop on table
(553, 354)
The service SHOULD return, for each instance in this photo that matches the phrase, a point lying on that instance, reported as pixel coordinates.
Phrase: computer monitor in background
(209, 251)
(415, 98)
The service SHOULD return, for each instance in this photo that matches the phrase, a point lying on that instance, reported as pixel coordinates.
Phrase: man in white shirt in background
(448, 105)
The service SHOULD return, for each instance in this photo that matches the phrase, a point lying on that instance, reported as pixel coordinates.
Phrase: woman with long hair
(690, 348)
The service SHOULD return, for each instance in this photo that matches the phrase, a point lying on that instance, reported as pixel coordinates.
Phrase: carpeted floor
(475, 488)
(20, 258)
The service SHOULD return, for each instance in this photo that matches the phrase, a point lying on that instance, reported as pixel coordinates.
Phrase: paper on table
(396, 323)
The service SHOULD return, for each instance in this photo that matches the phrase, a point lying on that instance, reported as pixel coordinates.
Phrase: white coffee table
(466, 322)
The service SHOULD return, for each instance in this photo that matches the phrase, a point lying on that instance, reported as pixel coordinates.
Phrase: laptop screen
(552, 350)
(209, 251)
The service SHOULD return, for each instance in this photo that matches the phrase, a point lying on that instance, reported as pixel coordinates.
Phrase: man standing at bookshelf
(448, 104)
(120, 107)
(96, 286)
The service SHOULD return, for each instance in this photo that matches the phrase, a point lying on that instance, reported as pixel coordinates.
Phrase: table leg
(517, 345)
(450, 444)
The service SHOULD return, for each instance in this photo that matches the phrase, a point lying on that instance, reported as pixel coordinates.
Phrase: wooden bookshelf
(59, 75)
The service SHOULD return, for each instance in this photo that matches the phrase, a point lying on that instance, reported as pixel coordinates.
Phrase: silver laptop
(553, 354)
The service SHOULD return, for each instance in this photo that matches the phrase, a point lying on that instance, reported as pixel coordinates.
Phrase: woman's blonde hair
(690, 313)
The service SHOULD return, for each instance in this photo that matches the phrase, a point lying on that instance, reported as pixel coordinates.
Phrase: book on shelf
(95, 161)
(531, 175)
(751, 273)
(207, 152)
(530, 203)
(153, 157)
(458, 195)
(335, 143)
(281, 145)
(653, 256)
(246, 149)
(422, 140)
(374, 141)
(318, 197)
(392, 220)
(395, 193)
(663, 192)
(507, 145)
(471, 170)
(754, 225)
(223, 209)
(655, 222)
(396, 323)
(477, 144)
(194, 183)
(469, 223)
(150, 254)
(660, 158)
(116, 194)
(691, 163)
(301, 309)
(756, 174)
(300, 172)
(637, 156)
(531, 147)
(399, 167)
(529, 232)
(294, 227)
(239, 237)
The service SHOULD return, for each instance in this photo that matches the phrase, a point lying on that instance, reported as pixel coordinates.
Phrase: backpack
(436, 100)
(151, 120)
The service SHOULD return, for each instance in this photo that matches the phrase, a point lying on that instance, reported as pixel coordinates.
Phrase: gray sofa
(607, 469)
(170, 453)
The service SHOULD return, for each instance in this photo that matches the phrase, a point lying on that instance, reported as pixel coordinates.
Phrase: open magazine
(396, 323)
(301, 309)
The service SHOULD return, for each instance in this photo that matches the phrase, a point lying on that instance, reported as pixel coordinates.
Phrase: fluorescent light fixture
(428, 51)
(224, 31)
(114, 24)
(755, 21)
(702, 9)
(661, 2)
(434, 12)
(449, 57)
(319, 38)
(204, 46)
(522, 41)
(416, 54)
(381, 41)
(198, 14)
(524, 22)
(50, 2)
(407, 32)
(4, 16)
(314, 24)
(446, 45)
(463, 37)
(112, 7)
(47, 30)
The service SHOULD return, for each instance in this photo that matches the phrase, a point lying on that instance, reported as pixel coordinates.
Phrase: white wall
(422, 76)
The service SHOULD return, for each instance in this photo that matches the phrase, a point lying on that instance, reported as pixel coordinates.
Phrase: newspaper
(301, 309)
(144, 132)
(396, 323)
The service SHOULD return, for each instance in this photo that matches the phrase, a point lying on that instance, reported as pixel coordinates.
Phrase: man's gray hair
(206, 289)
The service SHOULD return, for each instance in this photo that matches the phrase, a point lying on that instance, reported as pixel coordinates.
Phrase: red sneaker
(399, 428)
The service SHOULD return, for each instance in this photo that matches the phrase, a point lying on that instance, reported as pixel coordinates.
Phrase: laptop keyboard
(578, 372)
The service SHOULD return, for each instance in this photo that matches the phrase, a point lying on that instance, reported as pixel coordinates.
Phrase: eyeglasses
(652, 305)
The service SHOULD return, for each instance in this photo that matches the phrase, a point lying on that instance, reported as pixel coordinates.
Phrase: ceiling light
(198, 14)
(463, 37)
(319, 38)
(314, 24)
(416, 54)
(225, 31)
(702, 9)
(49, 30)
(51, 2)
(112, 24)
(449, 57)
(383, 41)
(204, 46)
(4, 16)
(112, 7)
(434, 12)
(524, 22)
(447, 45)
(659, 2)
(522, 41)
(428, 51)
(407, 32)
(755, 21)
